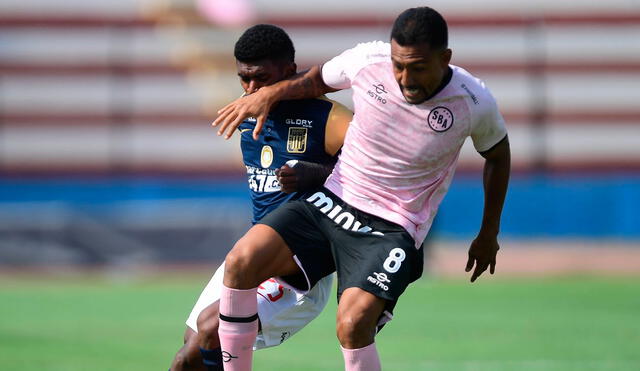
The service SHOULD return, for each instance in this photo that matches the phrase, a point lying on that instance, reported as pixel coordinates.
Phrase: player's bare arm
(307, 84)
(484, 247)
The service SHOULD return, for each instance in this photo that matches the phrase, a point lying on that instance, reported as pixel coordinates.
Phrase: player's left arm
(489, 134)
(304, 175)
(484, 247)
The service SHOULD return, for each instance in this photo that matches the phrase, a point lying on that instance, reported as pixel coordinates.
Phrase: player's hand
(287, 178)
(482, 253)
(255, 105)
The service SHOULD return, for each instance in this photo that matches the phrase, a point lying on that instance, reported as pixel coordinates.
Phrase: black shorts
(326, 234)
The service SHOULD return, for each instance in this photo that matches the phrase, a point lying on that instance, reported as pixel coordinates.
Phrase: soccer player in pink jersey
(413, 111)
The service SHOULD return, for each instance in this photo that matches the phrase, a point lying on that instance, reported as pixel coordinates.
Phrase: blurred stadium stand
(107, 157)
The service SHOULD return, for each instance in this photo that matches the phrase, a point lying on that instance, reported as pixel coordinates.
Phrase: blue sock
(212, 359)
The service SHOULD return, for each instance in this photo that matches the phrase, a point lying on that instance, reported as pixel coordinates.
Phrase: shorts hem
(371, 291)
(306, 277)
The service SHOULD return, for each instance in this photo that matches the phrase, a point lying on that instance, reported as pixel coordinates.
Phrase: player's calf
(208, 339)
(259, 255)
(208, 322)
(188, 357)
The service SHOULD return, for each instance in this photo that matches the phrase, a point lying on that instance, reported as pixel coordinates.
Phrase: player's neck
(443, 83)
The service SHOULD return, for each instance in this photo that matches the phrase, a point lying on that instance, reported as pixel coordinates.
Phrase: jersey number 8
(396, 257)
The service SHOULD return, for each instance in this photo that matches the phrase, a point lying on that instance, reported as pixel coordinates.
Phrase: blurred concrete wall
(131, 86)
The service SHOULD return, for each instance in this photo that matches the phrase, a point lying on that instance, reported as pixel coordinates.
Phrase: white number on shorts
(392, 263)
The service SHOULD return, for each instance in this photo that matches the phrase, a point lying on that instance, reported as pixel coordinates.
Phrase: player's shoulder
(334, 104)
(473, 87)
(465, 77)
(320, 110)
(319, 104)
(374, 48)
(372, 51)
(304, 105)
(338, 111)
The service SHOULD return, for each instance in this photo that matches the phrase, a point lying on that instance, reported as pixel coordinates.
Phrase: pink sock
(238, 327)
(362, 359)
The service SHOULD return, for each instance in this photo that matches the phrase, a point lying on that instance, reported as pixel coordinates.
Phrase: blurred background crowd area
(107, 157)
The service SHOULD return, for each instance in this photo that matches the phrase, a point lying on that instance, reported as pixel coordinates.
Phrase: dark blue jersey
(294, 130)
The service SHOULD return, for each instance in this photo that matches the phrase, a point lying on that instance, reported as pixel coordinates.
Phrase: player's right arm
(308, 84)
(336, 74)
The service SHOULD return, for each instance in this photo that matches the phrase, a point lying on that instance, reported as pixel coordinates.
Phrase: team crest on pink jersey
(440, 119)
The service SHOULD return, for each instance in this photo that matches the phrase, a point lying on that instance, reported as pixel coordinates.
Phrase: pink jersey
(398, 159)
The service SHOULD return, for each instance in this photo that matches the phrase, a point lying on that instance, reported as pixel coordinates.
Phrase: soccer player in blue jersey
(295, 152)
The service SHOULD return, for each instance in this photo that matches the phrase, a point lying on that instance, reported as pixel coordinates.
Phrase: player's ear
(291, 70)
(446, 57)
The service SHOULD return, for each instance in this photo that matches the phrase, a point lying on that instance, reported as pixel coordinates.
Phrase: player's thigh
(299, 225)
(382, 265)
(360, 307)
(357, 317)
(260, 254)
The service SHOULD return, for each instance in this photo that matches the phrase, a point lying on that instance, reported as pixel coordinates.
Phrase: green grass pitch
(575, 323)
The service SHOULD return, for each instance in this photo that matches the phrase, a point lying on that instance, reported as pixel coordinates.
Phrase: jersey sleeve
(340, 71)
(489, 127)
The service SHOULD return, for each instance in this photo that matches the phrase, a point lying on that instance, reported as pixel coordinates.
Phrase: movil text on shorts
(343, 218)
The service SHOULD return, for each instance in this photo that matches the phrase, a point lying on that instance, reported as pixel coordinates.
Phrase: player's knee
(180, 361)
(186, 358)
(355, 330)
(208, 323)
(241, 266)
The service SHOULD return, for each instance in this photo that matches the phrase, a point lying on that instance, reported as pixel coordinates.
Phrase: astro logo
(379, 88)
(343, 218)
(382, 277)
(377, 92)
(379, 280)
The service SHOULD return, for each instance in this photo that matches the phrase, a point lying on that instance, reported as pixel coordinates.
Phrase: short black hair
(421, 25)
(264, 41)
